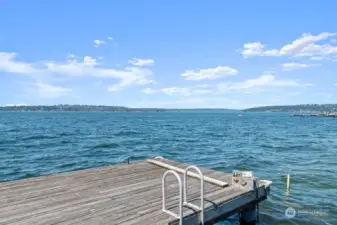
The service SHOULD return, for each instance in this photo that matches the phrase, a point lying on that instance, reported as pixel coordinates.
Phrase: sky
(170, 54)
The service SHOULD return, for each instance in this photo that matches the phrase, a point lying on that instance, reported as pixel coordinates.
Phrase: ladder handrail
(180, 216)
(201, 208)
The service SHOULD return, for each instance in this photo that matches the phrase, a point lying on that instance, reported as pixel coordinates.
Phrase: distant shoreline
(98, 108)
(303, 108)
(295, 109)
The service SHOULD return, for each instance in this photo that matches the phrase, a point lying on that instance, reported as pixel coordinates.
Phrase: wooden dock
(121, 194)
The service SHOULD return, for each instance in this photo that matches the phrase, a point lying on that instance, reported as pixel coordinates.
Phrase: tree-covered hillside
(92, 108)
(72, 108)
(296, 108)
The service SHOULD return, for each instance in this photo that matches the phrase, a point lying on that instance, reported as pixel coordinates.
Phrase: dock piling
(288, 182)
(248, 216)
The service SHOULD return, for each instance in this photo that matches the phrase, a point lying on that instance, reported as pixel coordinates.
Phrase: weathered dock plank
(122, 194)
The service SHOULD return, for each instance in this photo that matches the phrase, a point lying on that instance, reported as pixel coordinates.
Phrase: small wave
(66, 165)
(187, 140)
(218, 135)
(28, 175)
(13, 130)
(65, 142)
(38, 137)
(30, 145)
(106, 145)
(126, 133)
(64, 134)
(138, 157)
(266, 146)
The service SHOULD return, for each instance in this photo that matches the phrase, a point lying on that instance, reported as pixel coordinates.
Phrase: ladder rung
(192, 205)
(171, 213)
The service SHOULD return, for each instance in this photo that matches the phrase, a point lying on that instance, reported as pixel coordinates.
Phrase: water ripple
(272, 145)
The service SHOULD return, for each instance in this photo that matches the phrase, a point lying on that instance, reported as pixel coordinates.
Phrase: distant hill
(321, 108)
(72, 108)
(314, 108)
(93, 108)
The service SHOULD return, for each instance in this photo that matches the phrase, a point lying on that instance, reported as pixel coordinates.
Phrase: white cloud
(74, 67)
(89, 61)
(50, 91)
(257, 49)
(317, 58)
(10, 65)
(176, 90)
(149, 91)
(181, 91)
(299, 45)
(267, 80)
(98, 43)
(294, 66)
(181, 103)
(235, 102)
(203, 85)
(273, 52)
(193, 102)
(258, 82)
(264, 80)
(210, 73)
(201, 91)
(312, 50)
(110, 38)
(141, 62)
(295, 93)
(90, 67)
(11, 105)
(252, 49)
(303, 46)
(71, 56)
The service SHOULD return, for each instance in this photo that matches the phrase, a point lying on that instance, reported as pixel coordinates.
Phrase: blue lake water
(271, 144)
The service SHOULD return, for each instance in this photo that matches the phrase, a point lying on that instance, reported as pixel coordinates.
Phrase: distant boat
(240, 115)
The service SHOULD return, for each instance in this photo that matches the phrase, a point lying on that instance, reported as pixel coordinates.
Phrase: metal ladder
(183, 198)
(186, 203)
(180, 216)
